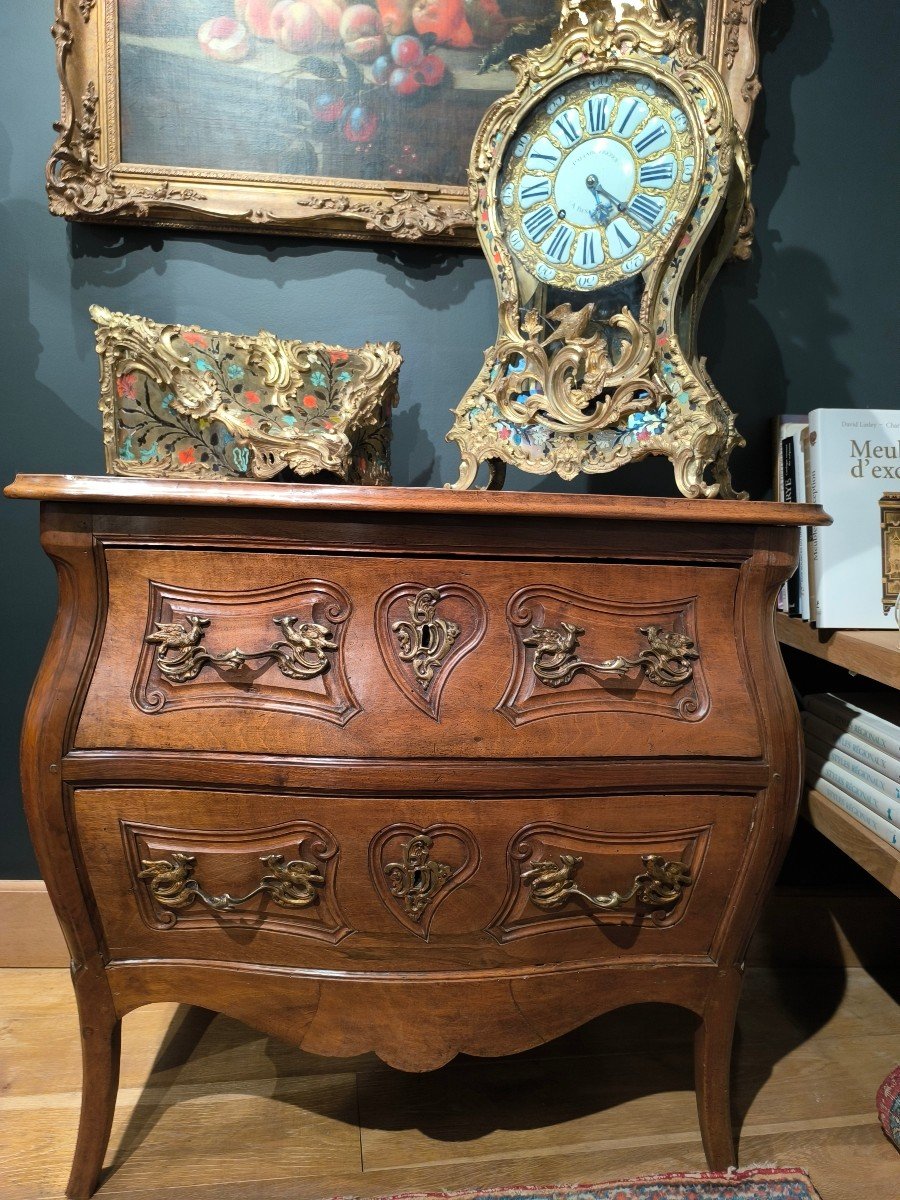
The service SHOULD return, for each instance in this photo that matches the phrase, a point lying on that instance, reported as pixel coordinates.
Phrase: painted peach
(295, 25)
(486, 21)
(224, 38)
(330, 14)
(396, 16)
(301, 25)
(446, 19)
(362, 33)
(257, 16)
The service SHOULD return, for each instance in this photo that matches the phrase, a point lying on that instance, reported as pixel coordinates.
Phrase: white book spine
(778, 489)
(819, 769)
(853, 767)
(808, 530)
(791, 426)
(816, 563)
(868, 727)
(884, 764)
(879, 827)
(803, 566)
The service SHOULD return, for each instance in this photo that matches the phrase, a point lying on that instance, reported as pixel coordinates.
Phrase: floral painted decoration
(189, 402)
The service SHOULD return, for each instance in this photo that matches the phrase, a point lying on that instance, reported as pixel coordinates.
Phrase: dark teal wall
(804, 324)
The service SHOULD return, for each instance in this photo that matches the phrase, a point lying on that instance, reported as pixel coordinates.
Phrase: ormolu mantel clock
(608, 187)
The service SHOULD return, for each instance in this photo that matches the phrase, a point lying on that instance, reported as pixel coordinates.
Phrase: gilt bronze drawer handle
(181, 657)
(425, 639)
(667, 661)
(660, 886)
(171, 883)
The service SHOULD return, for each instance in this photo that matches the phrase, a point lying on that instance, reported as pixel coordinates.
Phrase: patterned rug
(757, 1183)
(888, 1104)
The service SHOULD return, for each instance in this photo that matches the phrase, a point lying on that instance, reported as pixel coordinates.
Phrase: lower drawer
(399, 885)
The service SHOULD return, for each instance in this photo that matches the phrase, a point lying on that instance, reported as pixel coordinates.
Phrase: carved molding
(407, 215)
(327, 695)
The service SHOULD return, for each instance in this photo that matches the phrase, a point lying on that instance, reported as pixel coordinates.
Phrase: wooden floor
(210, 1110)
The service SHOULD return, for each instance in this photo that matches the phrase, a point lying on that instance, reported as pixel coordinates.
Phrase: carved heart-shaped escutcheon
(415, 869)
(424, 633)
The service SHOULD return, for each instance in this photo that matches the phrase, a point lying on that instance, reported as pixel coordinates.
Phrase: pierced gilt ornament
(608, 188)
(172, 884)
(424, 639)
(661, 885)
(181, 656)
(417, 878)
(667, 661)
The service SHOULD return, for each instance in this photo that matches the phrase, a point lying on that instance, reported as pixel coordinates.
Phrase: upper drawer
(351, 656)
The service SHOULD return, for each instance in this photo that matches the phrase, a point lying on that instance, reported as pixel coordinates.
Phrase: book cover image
(854, 458)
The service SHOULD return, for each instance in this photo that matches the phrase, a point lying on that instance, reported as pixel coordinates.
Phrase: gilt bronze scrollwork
(172, 884)
(417, 878)
(661, 886)
(181, 655)
(425, 639)
(667, 661)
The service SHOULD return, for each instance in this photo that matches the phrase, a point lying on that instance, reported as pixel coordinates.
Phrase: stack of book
(853, 757)
(847, 460)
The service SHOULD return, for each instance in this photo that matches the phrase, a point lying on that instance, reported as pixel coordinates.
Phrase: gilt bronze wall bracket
(172, 884)
(660, 886)
(181, 655)
(667, 661)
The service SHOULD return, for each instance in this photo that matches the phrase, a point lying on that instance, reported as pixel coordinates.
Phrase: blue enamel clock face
(596, 180)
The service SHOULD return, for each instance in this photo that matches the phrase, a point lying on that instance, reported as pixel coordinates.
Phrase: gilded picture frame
(130, 97)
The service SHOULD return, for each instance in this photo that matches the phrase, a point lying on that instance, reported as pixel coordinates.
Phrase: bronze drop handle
(667, 661)
(181, 655)
(171, 883)
(660, 886)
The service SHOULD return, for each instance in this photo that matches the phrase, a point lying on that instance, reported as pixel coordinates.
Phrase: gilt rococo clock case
(595, 362)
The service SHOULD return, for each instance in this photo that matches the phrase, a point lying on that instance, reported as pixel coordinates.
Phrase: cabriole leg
(712, 1069)
(100, 1053)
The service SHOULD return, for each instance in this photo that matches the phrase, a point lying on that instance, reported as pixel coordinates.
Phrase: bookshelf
(875, 654)
(873, 855)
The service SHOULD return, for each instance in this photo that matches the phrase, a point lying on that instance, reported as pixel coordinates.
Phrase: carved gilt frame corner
(87, 180)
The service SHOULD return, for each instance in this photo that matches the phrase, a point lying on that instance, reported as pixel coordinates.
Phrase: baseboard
(798, 928)
(29, 932)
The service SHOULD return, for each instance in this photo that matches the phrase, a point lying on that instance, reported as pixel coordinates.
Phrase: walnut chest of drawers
(408, 771)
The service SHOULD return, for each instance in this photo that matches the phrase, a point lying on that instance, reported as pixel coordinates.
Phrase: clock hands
(607, 204)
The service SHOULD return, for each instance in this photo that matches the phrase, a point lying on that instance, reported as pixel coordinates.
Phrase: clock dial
(596, 180)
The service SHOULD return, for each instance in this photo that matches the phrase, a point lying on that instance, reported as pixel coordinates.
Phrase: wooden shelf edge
(874, 855)
(874, 653)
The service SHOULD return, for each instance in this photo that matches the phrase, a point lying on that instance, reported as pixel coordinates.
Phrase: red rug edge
(736, 1175)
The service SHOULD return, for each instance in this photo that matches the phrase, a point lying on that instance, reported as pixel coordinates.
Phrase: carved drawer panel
(199, 879)
(339, 884)
(359, 656)
(304, 648)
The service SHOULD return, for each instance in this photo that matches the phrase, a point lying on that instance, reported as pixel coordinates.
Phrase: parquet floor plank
(212, 1110)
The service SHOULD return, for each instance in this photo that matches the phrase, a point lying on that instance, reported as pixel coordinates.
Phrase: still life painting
(339, 118)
